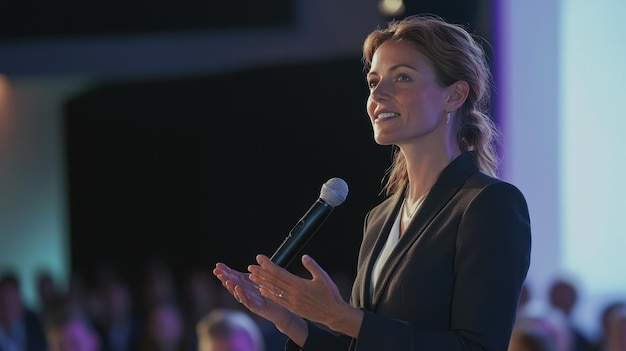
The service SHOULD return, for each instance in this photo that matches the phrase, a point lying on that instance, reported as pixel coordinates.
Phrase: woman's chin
(382, 140)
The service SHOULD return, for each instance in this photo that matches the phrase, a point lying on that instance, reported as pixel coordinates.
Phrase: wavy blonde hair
(456, 55)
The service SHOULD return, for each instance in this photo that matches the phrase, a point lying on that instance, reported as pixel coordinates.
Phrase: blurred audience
(563, 296)
(616, 330)
(158, 286)
(229, 330)
(609, 324)
(164, 328)
(76, 292)
(163, 313)
(69, 329)
(48, 293)
(199, 298)
(120, 324)
(21, 328)
(200, 289)
(531, 339)
(550, 324)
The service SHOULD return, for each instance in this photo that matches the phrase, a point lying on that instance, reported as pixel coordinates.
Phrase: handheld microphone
(333, 194)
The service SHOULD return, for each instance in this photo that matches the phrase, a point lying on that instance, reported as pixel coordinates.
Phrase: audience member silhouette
(49, 294)
(164, 328)
(200, 288)
(199, 298)
(531, 339)
(121, 329)
(21, 328)
(76, 293)
(608, 325)
(69, 329)
(158, 285)
(548, 326)
(563, 295)
(229, 330)
(615, 339)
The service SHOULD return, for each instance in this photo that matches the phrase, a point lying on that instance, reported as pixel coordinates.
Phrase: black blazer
(453, 280)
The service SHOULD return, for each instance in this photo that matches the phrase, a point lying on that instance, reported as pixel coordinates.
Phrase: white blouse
(392, 241)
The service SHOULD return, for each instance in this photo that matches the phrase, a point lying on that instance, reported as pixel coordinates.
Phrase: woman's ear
(458, 92)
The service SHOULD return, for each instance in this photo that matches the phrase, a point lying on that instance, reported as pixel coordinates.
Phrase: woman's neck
(423, 169)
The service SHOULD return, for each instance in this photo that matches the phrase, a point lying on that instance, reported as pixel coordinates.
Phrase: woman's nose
(381, 91)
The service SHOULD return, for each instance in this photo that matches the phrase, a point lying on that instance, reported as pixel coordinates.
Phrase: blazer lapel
(447, 185)
(382, 227)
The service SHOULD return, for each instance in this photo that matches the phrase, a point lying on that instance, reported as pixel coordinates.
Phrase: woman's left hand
(317, 299)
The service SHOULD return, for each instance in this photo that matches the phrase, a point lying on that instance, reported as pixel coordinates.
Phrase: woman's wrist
(348, 321)
(295, 328)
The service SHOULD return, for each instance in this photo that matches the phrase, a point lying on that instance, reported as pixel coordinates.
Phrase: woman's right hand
(247, 293)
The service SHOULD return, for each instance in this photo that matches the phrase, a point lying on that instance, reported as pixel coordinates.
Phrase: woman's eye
(403, 78)
(372, 83)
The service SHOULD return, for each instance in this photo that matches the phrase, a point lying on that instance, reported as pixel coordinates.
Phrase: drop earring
(448, 118)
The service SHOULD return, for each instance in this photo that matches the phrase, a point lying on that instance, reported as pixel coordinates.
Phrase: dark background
(215, 167)
(38, 19)
(220, 168)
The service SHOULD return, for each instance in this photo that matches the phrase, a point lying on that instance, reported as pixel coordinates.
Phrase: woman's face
(406, 104)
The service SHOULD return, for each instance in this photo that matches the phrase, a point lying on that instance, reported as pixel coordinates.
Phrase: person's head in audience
(530, 339)
(550, 324)
(615, 334)
(165, 327)
(609, 309)
(159, 284)
(48, 292)
(563, 295)
(117, 301)
(229, 330)
(67, 329)
(200, 294)
(11, 306)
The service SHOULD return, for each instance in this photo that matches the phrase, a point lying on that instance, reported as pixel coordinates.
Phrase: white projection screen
(562, 80)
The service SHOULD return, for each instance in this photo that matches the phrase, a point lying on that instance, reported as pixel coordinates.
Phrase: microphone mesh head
(334, 191)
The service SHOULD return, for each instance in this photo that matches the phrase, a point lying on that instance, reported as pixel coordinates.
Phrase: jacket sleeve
(321, 339)
(492, 260)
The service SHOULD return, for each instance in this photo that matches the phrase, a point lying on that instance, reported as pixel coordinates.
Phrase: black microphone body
(332, 194)
(301, 233)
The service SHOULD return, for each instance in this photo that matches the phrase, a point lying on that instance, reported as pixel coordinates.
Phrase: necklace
(408, 213)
